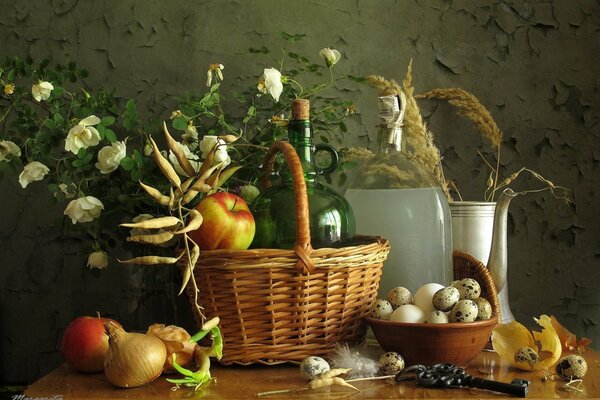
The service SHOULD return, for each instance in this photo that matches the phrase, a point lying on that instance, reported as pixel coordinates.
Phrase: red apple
(227, 223)
(84, 343)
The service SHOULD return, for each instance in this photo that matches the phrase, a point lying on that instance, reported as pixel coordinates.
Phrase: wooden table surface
(237, 382)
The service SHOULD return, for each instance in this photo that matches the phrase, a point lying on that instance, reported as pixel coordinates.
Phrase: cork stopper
(300, 109)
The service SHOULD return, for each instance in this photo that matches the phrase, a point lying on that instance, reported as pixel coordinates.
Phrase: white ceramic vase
(479, 228)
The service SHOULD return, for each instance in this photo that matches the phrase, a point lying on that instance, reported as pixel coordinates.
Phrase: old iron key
(449, 375)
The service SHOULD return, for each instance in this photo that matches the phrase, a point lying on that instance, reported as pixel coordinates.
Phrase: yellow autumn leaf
(549, 341)
(508, 338)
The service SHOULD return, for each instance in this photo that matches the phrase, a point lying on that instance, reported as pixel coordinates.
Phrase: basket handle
(302, 248)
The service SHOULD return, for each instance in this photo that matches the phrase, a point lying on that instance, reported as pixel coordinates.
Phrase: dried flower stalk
(418, 137)
(471, 108)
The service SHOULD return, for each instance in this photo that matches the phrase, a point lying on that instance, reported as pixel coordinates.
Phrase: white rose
(206, 145)
(83, 135)
(109, 157)
(34, 171)
(272, 83)
(84, 209)
(98, 259)
(41, 90)
(192, 158)
(9, 150)
(331, 56)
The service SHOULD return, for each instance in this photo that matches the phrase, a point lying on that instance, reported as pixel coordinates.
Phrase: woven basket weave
(467, 266)
(280, 305)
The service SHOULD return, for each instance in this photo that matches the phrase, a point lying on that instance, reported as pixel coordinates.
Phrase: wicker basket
(285, 305)
(467, 266)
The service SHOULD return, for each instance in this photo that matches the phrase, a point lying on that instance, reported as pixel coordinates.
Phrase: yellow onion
(177, 341)
(132, 359)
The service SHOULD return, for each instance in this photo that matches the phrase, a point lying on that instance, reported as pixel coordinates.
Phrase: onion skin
(177, 341)
(132, 359)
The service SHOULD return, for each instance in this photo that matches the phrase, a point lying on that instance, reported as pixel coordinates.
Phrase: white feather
(358, 359)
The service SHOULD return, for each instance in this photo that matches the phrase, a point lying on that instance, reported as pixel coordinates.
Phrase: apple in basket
(227, 223)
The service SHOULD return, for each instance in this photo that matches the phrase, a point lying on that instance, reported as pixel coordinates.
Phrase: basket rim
(360, 241)
(449, 325)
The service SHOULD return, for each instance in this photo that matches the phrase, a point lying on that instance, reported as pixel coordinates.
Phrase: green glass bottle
(331, 218)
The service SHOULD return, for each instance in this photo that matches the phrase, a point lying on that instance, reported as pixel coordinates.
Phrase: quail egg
(382, 309)
(444, 299)
(399, 296)
(437, 317)
(526, 355)
(572, 367)
(424, 296)
(391, 363)
(469, 289)
(408, 313)
(311, 367)
(464, 311)
(484, 308)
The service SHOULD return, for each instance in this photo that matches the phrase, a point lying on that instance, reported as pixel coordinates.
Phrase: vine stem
(191, 267)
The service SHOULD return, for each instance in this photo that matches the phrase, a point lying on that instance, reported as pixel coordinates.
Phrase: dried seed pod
(175, 147)
(151, 260)
(153, 223)
(156, 238)
(193, 223)
(189, 196)
(228, 138)
(187, 274)
(165, 166)
(155, 194)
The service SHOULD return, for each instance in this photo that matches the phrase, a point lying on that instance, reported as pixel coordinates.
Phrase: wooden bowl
(456, 343)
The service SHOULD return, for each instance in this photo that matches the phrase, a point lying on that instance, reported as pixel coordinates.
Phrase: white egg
(408, 313)
(423, 297)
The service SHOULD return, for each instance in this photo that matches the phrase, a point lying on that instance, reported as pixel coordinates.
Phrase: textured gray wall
(535, 64)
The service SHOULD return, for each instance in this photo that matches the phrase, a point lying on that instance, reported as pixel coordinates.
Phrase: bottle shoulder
(392, 171)
(283, 194)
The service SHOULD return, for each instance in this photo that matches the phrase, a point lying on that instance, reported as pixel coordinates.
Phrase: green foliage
(41, 129)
